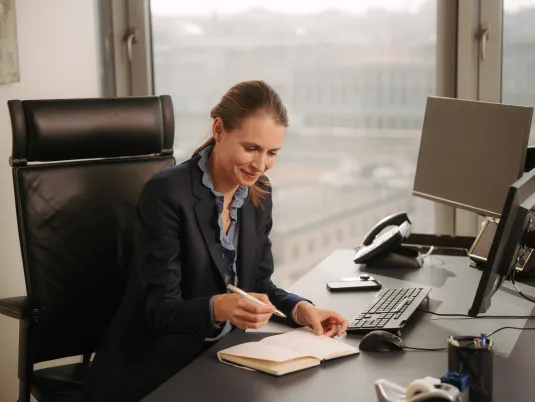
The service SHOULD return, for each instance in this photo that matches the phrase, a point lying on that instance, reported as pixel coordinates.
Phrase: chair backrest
(78, 168)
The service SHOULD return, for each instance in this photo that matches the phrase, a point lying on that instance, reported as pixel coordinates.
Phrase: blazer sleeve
(281, 299)
(159, 266)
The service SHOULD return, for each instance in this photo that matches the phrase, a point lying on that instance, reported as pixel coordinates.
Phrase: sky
(181, 7)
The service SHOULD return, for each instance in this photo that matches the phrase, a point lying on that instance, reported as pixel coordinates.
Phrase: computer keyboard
(390, 310)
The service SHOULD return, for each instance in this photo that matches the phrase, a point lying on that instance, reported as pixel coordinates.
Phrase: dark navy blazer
(164, 317)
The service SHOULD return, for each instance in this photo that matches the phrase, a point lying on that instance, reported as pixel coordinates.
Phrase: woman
(202, 225)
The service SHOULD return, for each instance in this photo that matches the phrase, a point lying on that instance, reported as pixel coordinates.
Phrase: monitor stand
(480, 249)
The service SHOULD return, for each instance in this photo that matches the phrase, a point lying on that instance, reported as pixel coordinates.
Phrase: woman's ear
(217, 128)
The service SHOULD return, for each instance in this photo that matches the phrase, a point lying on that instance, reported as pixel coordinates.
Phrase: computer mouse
(381, 341)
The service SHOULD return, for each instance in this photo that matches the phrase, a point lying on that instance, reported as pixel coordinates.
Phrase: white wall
(58, 57)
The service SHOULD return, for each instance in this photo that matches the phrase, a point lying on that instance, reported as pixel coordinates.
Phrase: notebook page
(306, 342)
(261, 351)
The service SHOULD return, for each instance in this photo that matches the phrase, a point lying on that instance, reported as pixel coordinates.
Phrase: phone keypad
(376, 243)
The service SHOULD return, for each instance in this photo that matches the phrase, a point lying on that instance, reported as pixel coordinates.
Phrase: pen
(234, 289)
(453, 341)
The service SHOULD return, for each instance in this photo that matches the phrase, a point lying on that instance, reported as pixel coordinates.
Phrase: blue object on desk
(483, 340)
(461, 381)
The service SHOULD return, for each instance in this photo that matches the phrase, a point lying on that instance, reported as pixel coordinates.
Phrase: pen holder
(467, 355)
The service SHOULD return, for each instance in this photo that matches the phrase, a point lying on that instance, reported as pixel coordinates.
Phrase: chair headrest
(67, 129)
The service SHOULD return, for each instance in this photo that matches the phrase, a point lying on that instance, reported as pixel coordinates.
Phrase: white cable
(516, 287)
(428, 253)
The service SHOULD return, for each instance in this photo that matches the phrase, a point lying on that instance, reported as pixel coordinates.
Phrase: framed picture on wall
(9, 58)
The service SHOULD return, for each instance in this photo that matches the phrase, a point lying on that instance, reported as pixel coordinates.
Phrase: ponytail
(210, 141)
(257, 193)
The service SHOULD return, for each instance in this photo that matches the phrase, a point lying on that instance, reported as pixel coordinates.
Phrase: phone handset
(376, 248)
(392, 220)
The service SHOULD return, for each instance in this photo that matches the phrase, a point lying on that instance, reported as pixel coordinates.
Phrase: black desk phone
(386, 250)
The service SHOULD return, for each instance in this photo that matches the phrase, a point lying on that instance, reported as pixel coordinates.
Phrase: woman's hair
(241, 101)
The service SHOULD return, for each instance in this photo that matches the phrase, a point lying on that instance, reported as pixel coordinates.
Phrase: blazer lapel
(206, 214)
(246, 244)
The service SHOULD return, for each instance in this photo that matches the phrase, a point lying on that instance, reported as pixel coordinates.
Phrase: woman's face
(250, 150)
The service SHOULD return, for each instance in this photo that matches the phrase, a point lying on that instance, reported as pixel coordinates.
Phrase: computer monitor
(516, 216)
(471, 152)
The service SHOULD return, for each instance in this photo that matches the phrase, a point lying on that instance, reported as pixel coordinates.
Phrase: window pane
(518, 79)
(355, 77)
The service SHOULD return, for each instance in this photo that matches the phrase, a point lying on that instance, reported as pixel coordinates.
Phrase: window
(518, 65)
(295, 252)
(326, 240)
(310, 52)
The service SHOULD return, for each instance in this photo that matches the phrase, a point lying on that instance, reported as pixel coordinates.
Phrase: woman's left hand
(323, 322)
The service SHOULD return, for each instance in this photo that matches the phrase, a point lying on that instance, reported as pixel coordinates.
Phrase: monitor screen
(471, 152)
(517, 212)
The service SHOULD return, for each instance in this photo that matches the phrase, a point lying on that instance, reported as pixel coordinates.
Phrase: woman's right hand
(241, 312)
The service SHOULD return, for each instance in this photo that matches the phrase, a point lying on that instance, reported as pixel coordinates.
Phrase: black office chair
(75, 211)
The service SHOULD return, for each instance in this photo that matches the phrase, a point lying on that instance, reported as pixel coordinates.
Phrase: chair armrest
(18, 307)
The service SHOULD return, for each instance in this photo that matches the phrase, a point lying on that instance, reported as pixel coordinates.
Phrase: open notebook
(285, 353)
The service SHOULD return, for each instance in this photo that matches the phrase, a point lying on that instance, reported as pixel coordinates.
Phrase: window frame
(119, 76)
(479, 79)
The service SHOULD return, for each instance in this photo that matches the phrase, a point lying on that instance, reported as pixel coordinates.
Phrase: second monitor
(471, 152)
